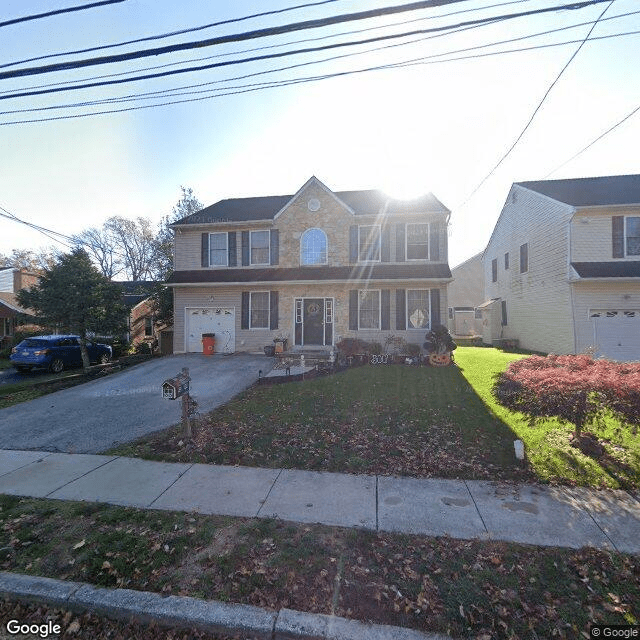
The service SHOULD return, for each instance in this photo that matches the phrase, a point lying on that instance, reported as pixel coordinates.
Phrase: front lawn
(468, 589)
(397, 420)
(549, 453)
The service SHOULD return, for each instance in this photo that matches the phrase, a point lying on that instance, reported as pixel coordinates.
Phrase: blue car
(55, 353)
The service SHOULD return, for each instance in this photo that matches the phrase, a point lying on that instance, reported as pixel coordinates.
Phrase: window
(259, 310)
(632, 235)
(148, 326)
(418, 308)
(313, 247)
(450, 313)
(368, 309)
(218, 249)
(494, 270)
(504, 313)
(524, 257)
(506, 261)
(259, 247)
(418, 241)
(369, 242)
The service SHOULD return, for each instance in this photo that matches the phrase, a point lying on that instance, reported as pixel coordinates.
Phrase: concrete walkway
(467, 509)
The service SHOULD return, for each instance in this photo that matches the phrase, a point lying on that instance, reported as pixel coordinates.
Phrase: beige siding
(332, 217)
(588, 296)
(256, 339)
(538, 301)
(591, 235)
(467, 288)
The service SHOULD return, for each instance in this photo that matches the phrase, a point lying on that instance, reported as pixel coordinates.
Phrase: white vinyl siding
(539, 300)
(591, 239)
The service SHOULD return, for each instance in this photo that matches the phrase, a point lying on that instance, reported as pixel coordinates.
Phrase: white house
(562, 267)
(465, 294)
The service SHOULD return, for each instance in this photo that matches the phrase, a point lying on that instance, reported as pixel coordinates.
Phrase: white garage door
(222, 322)
(617, 334)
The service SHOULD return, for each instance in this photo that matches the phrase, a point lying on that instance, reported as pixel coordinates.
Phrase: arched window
(313, 247)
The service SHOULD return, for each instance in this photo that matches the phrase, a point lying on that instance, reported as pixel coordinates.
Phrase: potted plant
(439, 345)
(280, 343)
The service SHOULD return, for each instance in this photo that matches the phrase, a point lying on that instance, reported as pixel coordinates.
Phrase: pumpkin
(440, 359)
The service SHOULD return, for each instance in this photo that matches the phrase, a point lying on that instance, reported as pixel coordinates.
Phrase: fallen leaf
(77, 545)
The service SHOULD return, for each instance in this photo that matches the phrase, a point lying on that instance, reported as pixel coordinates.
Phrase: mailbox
(175, 387)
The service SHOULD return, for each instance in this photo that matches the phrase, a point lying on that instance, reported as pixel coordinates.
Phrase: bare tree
(34, 261)
(103, 247)
(136, 242)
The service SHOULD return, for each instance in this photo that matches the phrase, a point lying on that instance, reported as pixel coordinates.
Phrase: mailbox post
(178, 387)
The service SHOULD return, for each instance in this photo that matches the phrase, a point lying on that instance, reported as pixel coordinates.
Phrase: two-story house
(314, 268)
(12, 280)
(562, 267)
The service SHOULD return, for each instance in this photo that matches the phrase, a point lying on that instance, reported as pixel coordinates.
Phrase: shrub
(438, 340)
(412, 349)
(374, 348)
(353, 346)
(576, 389)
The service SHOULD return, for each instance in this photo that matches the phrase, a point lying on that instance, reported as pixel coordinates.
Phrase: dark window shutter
(353, 243)
(494, 270)
(401, 310)
(244, 320)
(245, 248)
(273, 310)
(617, 236)
(233, 251)
(275, 246)
(524, 257)
(400, 242)
(435, 307)
(385, 245)
(353, 310)
(385, 304)
(205, 250)
(434, 241)
(504, 313)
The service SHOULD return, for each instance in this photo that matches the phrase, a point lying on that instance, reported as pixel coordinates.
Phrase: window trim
(406, 241)
(624, 236)
(406, 311)
(379, 227)
(251, 327)
(379, 292)
(259, 264)
(526, 244)
(326, 248)
(226, 252)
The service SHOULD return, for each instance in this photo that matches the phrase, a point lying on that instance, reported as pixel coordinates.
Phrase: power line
(414, 62)
(167, 35)
(271, 56)
(48, 14)
(539, 106)
(272, 46)
(602, 135)
(42, 230)
(173, 91)
(239, 37)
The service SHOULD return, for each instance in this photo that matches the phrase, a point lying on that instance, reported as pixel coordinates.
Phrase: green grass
(547, 442)
(5, 363)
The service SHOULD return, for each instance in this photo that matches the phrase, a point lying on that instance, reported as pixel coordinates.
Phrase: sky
(437, 125)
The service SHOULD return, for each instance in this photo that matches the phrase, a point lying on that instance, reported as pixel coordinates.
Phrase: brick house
(11, 281)
(314, 267)
(562, 267)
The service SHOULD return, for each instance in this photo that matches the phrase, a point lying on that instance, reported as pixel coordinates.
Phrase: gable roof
(590, 192)
(8, 301)
(363, 202)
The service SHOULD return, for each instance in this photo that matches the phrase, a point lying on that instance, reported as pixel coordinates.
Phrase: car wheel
(104, 358)
(56, 365)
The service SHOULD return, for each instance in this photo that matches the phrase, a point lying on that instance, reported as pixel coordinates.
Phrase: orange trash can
(208, 343)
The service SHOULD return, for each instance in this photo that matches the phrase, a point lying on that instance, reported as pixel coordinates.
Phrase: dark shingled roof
(369, 202)
(589, 192)
(274, 274)
(626, 269)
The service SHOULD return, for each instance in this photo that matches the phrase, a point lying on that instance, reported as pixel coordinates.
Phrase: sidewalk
(466, 509)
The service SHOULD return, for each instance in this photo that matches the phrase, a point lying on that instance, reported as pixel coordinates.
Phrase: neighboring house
(141, 325)
(314, 268)
(465, 294)
(11, 281)
(562, 267)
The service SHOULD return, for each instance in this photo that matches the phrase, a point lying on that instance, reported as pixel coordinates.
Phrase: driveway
(124, 406)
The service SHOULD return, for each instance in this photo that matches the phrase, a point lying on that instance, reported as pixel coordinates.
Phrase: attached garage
(221, 321)
(617, 333)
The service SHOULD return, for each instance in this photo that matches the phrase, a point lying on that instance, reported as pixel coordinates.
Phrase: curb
(207, 615)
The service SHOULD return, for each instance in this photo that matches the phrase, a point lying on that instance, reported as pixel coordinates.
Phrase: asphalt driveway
(124, 406)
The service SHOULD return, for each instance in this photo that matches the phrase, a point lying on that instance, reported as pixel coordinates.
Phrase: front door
(313, 321)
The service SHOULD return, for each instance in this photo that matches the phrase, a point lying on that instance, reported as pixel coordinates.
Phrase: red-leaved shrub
(572, 388)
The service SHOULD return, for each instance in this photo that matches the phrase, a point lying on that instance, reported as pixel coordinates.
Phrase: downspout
(570, 284)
